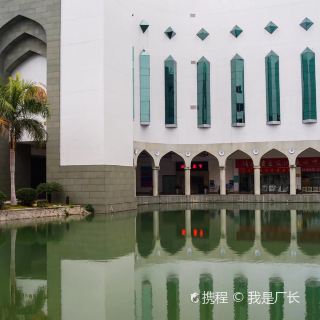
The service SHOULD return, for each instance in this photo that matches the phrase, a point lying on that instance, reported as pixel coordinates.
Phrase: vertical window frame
(170, 83)
(144, 61)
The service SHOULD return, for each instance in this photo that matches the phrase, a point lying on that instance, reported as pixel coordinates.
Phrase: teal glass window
(170, 69)
(237, 92)
(203, 93)
(144, 88)
(272, 88)
(309, 99)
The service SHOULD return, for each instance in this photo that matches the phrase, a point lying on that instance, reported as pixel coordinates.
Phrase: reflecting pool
(164, 263)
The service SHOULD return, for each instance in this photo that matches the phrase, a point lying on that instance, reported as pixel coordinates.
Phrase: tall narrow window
(203, 92)
(237, 92)
(170, 70)
(144, 88)
(309, 99)
(272, 88)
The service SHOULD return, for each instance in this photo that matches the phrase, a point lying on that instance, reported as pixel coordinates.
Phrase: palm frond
(33, 127)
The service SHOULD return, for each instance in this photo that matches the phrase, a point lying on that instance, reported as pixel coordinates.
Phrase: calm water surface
(235, 264)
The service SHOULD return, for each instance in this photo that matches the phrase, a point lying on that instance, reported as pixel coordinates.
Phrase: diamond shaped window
(170, 33)
(236, 31)
(144, 25)
(271, 27)
(202, 34)
(306, 24)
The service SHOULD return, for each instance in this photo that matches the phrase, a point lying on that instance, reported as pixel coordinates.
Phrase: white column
(223, 223)
(257, 190)
(293, 219)
(188, 223)
(187, 181)
(293, 181)
(257, 224)
(222, 180)
(155, 181)
(156, 225)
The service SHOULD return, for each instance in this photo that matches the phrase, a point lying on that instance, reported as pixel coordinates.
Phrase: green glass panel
(237, 91)
(146, 300)
(309, 96)
(276, 286)
(170, 69)
(203, 92)
(170, 33)
(173, 302)
(144, 88)
(205, 285)
(306, 24)
(236, 31)
(272, 87)
(312, 296)
(271, 27)
(144, 25)
(203, 34)
(240, 284)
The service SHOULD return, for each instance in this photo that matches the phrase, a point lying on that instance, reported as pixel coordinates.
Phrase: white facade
(97, 40)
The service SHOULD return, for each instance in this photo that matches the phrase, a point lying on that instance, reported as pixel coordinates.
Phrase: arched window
(203, 93)
(237, 91)
(309, 99)
(272, 88)
(144, 88)
(170, 69)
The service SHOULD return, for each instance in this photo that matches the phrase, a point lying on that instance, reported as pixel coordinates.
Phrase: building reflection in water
(240, 285)
(173, 298)
(161, 258)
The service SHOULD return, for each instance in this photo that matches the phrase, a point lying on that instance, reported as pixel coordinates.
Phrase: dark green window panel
(306, 24)
(203, 34)
(236, 31)
(271, 27)
(170, 33)
(203, 93)
(144, 25)
(170, 71)
(144, 88)
(237, 92)
(272, 88)
(309, 95)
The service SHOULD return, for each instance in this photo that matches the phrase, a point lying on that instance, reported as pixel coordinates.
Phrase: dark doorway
(38, 170)
(169, 184)
(197, 184)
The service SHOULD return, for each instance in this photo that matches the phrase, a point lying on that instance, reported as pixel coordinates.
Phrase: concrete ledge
(40, 213)
(230, 198)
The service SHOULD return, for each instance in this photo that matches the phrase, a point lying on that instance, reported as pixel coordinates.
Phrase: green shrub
(27, 196)
(2, 199)
(89, 207)
(49, 188)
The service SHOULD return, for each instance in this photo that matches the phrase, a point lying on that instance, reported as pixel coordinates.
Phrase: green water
(146, 266)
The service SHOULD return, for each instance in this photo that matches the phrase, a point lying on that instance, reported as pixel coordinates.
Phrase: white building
(206, 97)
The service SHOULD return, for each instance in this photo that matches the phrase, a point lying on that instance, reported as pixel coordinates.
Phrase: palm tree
(22, 104)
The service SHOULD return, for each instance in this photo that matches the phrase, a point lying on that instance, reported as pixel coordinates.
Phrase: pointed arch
(239, 172)
(205, 173)
(308, 167)
(145, 164)
(171, 173)
(275, 175)
(145, 236)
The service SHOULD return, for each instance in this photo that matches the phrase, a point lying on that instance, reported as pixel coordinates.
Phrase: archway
(239, 173)
(204, 174)
(308, 171)
(275, 176)
(171, 174)
(144, 178)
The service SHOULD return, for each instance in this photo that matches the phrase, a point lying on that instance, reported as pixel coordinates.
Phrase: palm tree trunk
(13, 266)
(12, 175)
